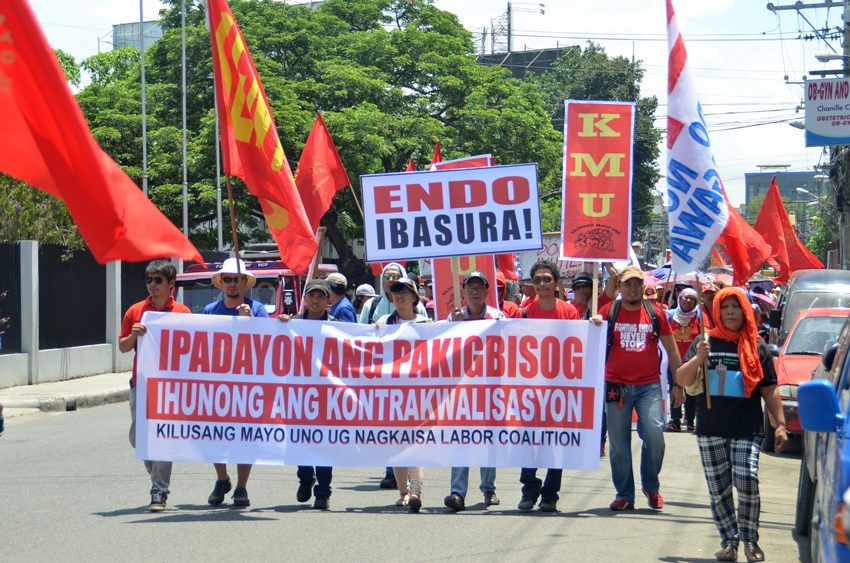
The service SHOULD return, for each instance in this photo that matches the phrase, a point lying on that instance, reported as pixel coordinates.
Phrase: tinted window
(800, 300)
(197, 294)
(813, 333)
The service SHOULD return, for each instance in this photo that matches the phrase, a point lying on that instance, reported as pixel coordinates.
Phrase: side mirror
(829, 357)
(775, 318)
(774, 350)
(819, 410)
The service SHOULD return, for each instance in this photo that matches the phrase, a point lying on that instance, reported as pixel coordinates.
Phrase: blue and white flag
(696, 202)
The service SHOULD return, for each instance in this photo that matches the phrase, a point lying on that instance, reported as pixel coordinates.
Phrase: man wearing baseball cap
(709, 290)
(317, 295)
(234, 280)
(633, 382)
(341, 308)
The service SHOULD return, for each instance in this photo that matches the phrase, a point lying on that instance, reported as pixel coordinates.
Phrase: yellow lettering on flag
(588, 206)
(590, 124)
(610, 160)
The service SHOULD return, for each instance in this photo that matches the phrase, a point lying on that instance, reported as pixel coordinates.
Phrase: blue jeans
(460, 480)
(646, 400)
(324, 475)
(534, 487)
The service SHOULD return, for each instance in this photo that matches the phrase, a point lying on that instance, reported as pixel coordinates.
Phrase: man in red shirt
(160, 276)
(544, 276)
(632, 381)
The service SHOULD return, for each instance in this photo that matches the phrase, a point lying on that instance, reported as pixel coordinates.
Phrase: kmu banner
(464, 212)
(514, 393)
(596, 223)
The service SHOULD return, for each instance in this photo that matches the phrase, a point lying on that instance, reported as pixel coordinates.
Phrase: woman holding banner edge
(405, 297)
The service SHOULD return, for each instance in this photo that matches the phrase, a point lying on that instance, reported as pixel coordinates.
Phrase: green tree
(591, 74)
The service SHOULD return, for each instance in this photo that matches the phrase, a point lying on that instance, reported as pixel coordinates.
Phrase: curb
(69, 402)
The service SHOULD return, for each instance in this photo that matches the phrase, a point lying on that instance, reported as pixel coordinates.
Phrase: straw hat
(229, 267)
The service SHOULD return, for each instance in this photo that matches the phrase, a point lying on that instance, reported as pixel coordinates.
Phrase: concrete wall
(41, 366)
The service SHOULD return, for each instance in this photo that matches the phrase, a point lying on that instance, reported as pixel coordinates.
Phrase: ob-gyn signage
(451, 212)
(828, 112)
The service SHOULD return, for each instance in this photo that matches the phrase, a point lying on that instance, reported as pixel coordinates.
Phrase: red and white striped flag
(698, 212)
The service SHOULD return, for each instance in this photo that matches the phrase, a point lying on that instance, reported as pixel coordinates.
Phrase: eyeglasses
(542, 279)
(475, 287)
(156, 280)
(229, 279)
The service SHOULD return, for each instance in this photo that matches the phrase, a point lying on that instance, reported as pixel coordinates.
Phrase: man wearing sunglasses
(160, 276)
(544, 276)
(234, 280)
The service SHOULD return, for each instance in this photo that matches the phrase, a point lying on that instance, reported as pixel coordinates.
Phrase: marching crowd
(710, 336)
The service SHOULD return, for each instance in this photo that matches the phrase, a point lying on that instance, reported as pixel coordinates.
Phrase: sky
(747, 61)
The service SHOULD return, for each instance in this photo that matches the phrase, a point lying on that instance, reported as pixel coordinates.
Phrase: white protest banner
(550, 252)
(464, 212)
(515, 393)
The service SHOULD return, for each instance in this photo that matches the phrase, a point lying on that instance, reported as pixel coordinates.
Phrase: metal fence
(10, 306)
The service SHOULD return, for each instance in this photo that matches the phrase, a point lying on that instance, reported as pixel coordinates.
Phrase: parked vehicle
(806, 289)
(799, 356)
(277, 287)
(825, 467)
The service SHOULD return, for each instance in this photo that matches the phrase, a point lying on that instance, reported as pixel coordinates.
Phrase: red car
(813, 330)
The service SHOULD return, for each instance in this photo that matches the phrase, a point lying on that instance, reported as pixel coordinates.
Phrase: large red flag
(250, 144)
(45, 142)
(775, 226)
(746, 249)
(320, 173)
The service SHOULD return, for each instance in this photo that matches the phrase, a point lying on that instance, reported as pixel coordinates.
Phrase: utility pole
(510, 29)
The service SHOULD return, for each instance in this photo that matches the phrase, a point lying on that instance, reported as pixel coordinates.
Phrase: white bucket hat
(229, 267)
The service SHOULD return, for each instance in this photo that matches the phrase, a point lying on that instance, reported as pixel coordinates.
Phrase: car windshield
(811, 334)
(809, 300)
(197, 294)
(265, 291)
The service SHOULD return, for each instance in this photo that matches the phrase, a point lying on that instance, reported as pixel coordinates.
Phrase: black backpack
(612, 316)
(373, 306)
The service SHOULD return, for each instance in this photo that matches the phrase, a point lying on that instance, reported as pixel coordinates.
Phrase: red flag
(45, 142)
(746, 249)
(411, 166)
(320, 173)
(438, 154)
(775, 226)
(716, 258)
(250, 144)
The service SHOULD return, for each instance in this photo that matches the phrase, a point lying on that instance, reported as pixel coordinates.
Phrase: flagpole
(232, 219)
(218, 175)
(183, 99)
(144, 100)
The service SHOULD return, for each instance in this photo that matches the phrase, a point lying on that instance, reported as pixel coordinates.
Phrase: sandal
(404, 499)
(753, 552)
(727, 554)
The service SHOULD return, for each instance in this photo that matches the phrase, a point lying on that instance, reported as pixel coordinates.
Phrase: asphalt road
(72, 490)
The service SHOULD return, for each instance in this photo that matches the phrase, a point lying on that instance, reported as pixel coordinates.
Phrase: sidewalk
(67, 395)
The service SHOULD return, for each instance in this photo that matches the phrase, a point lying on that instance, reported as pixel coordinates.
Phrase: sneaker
(455, 502)
(157, 502)
(388, 482)
(240, 497)
(322, 503)
(656, 501)
(548, 506)
(490, 499)
(526, 503)
(217, 495)
(305, 490)
(414, 504)
(692, 427)
(673, 426)
(621, 504)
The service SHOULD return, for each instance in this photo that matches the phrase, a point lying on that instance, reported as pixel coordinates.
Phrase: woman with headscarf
(729, 434)
(684, 321)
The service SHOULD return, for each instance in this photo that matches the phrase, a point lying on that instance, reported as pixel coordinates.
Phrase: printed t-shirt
(562, 311)
(219, 308)
(134, 315)
(684, 335)
(732, 415)
(634, 358)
